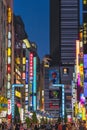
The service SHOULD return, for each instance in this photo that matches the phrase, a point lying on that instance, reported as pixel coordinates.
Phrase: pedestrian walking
(73, 126)
(81, 126)
(36, 128)
(60, 126)
(17, 127)
(21, 127)
(64, 126)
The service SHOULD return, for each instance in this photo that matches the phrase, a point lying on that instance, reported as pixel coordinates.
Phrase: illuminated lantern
(9, 35)
(9, 18)
(9, 77)
(9, 43)
(8, 85)
(9, 52)
(80, 35)
(9, 68)
(9, 60)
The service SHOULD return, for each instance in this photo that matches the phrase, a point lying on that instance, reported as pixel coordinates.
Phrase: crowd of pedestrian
(48, 126)
(72, 126)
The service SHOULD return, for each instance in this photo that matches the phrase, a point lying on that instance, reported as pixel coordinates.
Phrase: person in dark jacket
(64, 126)
(17, 127)
(36, 128)
(81, 126)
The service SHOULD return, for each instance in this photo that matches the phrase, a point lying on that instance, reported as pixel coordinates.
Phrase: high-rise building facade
(64, 31)
(54, 31)
(3, 43)
(64, 22)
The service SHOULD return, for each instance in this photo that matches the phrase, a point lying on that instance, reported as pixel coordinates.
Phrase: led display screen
(85, 89)
(53, 105)
(65, 71)
(53, 77)
(85, 75)
(82, 98)
(85, 68)
(54, 94)
(85, 35)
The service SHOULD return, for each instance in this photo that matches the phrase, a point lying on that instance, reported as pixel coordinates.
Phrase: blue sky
(35, 15)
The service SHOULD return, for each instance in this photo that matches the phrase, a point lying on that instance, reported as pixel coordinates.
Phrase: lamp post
(13, 98)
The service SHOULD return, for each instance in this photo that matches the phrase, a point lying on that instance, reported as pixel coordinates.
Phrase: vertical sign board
(13, 98)
(81, 12)
(9, 108)
(85, 75)
(56, 93)
(13, 101)
(26, 86)
(81, 57)
(30, 80)
(61, 86)
(9, 51)
(34, 84)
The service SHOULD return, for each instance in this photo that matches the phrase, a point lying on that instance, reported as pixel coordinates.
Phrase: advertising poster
(54, 94)
(85, 67)
(85, 75)
(85, 89)
(53, 77)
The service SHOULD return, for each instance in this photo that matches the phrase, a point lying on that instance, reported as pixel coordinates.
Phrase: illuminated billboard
(85, 37)
(85, 67)
(85, 75)
(82, 98)
(53, 77)
(54, 94)
(34, 84)
(85, 89)
(31, 79)
(27, 43)
(9, 58)
(54, 105)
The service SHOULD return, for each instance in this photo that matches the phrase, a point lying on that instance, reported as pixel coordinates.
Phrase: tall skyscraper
(64, 22)
(55, 31)
(64, 31)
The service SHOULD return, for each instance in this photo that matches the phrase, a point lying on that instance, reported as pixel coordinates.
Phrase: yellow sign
(18, 94)
(76, 109)
(24, 60)
(9, 51)
(83, 113)
(17, 60)
(3, 100)
(27, 43)
(9, 15)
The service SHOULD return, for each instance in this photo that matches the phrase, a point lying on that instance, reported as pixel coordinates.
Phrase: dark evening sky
(35, 15)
